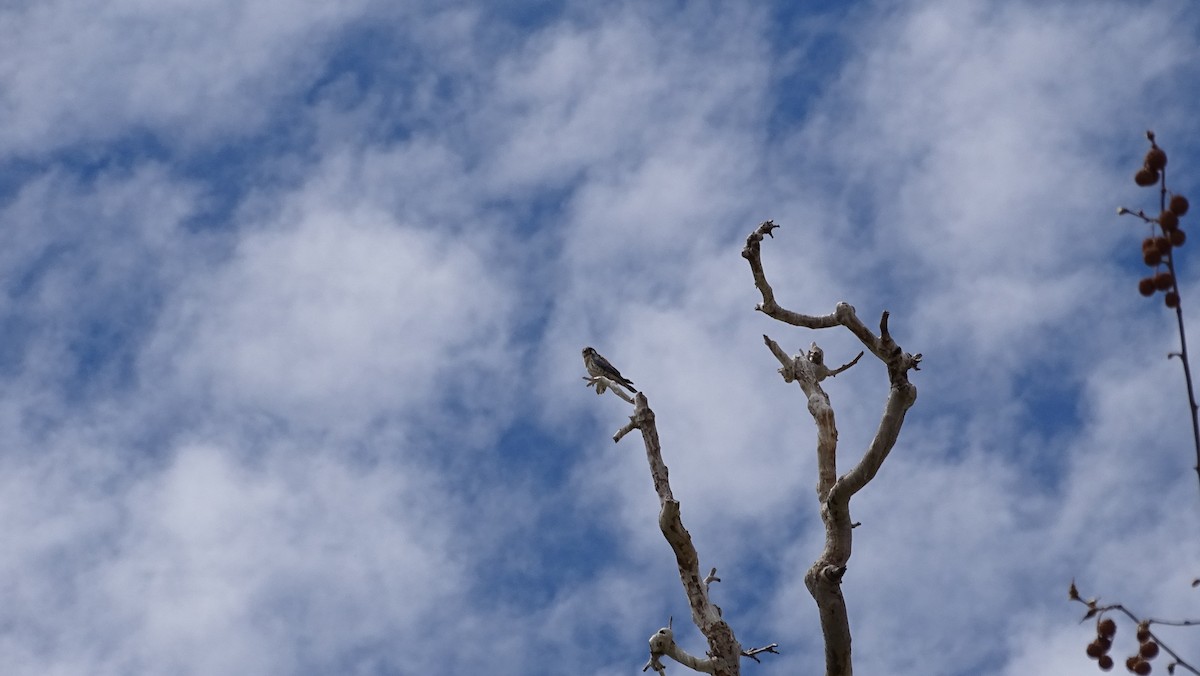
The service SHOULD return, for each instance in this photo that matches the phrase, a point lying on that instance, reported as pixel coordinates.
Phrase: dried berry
(1137, 665)
(1169, 220)
(1162, 245)
(1151, 257)
(1164, 280)
(1179, 204)
(1098, 647)
(1148, 650)
(1143, 632)
(1156, 159)
(1105, 663)
(1178, 237)
(1146, 286)
(1145, 177)
(1171, 299)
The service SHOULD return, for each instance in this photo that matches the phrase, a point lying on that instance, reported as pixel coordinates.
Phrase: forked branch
(824, 578)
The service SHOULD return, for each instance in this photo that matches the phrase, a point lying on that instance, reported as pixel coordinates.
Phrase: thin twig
(1096, 610)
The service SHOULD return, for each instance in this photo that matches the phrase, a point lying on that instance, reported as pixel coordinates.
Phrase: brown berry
(1145, 177)
(1148, 650)
(1135, 664)
(1171, 299)
(1105, 663)
(1146, 286)
(1106, 627)
(1156, 159)
(1162, 245)
(1179, 205)
(1143, 632)
(1151, 257)
(1164, 280)
(1178, 237)
(1098, 647)
(1142, 668)
(1169, 220)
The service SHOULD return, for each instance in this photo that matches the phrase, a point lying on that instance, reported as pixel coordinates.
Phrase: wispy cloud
(295, 296)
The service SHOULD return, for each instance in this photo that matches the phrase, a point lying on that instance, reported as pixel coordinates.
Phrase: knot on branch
(833, 574)
(768, 308)
(788, 371)
(668, 520)
(663, 643)
(844, 313)
(662, 639)
(816, 355)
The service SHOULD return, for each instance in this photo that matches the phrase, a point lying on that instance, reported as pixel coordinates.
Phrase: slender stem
(1179, 661)
(1183, 351)
(1187, 374)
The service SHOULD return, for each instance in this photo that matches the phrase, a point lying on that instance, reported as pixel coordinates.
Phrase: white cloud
(339, 319)
(185, 70)
(344, 414)
(281, 565)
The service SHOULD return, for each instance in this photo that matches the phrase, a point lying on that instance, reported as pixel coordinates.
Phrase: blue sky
(294, 294)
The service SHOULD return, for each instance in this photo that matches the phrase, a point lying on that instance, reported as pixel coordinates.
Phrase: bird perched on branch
(598, 367)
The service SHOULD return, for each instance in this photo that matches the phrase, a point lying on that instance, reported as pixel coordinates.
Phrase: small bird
(598, 366)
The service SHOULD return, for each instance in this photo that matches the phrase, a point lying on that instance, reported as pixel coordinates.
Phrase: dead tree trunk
(824, 578)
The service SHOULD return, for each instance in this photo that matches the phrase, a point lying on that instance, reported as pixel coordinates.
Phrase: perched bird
(598, 366)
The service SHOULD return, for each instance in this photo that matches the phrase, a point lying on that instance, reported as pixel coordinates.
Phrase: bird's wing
(602, 363)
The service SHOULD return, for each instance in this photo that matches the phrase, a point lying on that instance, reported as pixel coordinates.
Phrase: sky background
(294, 294)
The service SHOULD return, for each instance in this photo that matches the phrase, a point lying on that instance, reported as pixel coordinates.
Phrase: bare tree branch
(724, 651)
(753, 652)
(603, 384)
(824, 578)
(769, 306)
(847, 365)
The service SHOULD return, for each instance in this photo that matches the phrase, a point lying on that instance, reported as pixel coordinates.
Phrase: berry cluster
(1165, 233)
(1098, 649)
(1137, 663)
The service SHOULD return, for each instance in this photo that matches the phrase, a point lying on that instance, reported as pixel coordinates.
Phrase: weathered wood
(824, 578)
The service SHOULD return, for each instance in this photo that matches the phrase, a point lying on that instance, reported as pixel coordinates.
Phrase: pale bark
(824, 578)
(724, 651)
